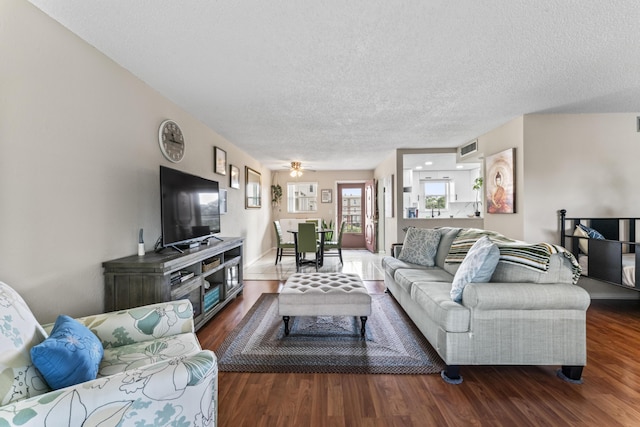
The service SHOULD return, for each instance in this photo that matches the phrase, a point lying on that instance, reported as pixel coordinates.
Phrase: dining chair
(282, 245)
(335, 244)
(307, 242)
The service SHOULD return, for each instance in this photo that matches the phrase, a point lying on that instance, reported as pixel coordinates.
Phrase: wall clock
(171, 141)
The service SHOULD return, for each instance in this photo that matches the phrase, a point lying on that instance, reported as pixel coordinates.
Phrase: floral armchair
(153, 371)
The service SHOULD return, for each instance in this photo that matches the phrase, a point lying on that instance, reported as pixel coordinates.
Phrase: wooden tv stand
(135, 280)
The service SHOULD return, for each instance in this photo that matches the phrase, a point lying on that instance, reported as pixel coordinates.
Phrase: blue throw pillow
(593, 234)
(477, 266)
(71, 355)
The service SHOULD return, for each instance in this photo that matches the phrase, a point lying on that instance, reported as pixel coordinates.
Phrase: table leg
(295, 245)
(321, 255)
(286, 324)
(363, 319)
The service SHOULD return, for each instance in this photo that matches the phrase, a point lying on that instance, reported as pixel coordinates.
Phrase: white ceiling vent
(471, 147)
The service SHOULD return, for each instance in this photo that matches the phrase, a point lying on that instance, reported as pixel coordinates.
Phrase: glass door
(350, 205)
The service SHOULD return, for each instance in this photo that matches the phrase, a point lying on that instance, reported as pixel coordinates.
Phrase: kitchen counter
(441, 221)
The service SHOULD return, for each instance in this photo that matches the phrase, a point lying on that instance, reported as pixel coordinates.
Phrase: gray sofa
(520, 317)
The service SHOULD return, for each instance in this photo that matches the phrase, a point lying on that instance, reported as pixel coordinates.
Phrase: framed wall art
(500, 182)
(234, 176)
(253, 188)
(219, 161)
(325, 195)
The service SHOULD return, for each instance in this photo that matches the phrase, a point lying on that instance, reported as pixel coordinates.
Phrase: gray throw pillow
(477, 267)
(420, 246)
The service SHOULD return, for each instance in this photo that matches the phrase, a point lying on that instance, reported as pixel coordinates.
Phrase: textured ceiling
(340, 84)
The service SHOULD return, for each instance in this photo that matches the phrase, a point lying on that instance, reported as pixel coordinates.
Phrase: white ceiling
(339, 84)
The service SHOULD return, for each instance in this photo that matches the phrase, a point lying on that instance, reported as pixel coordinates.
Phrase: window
(352, 209)
(435, 194)
(302, 197)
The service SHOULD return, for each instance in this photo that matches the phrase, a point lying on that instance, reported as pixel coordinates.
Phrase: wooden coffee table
(324, 294)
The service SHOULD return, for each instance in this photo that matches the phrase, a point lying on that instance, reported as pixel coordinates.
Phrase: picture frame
(219, 161)
(253, 188)
(234, 177)
(325, 195)
(500, 188)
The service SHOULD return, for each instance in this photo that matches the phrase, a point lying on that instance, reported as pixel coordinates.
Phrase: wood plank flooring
(489, 396)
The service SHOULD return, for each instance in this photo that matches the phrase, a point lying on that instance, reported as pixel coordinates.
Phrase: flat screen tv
(190, 208)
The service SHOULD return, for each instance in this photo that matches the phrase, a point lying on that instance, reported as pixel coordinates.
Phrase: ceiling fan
(296, 169)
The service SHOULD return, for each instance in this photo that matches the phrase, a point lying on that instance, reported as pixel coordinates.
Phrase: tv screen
(190, 208)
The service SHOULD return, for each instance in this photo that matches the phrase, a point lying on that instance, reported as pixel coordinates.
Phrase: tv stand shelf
(210, 276)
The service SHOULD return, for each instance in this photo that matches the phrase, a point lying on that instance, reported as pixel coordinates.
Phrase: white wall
(79, 165)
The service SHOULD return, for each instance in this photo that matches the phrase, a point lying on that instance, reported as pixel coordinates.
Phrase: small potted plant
(477, 185)
(276, 194)
(328, 226)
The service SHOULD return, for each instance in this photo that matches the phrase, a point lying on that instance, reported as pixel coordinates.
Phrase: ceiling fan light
(295, 169)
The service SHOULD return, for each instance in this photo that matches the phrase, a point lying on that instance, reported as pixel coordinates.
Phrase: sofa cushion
(477, 266)
(19, 331)
(69, 356)
(447, 234)
(391, 264)
(435, 299)
(420, 246)
(405, 277)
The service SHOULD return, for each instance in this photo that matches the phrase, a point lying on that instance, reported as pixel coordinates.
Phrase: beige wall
(325, 180)
(79, 165)
(504, 137)
(586, 164)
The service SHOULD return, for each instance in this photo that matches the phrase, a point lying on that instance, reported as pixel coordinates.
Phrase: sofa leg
(451, 374)
(571, 374)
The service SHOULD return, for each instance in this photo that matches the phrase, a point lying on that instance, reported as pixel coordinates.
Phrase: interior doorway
(350, 210)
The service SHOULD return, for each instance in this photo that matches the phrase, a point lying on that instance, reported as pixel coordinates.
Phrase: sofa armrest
(139, 324)
(180, 390)
(525, 296)
(395, 249)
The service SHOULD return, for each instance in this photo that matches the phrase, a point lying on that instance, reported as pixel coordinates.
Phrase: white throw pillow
(420, 246)
(583, 244)
(476, 267)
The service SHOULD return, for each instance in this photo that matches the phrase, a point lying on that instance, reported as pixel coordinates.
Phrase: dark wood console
(209, 276)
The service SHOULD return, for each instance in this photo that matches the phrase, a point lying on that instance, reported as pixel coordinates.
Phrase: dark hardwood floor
(489, 396)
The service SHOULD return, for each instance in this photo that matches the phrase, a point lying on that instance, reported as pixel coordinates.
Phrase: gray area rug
(328, 344)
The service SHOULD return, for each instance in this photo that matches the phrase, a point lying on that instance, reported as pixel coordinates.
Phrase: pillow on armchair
(477, 266)
(420, 246)
(71, 355)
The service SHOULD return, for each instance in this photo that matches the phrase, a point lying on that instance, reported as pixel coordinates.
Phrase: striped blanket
(532, 256)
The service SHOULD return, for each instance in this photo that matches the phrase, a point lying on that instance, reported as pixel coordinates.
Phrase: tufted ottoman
(324, 294)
